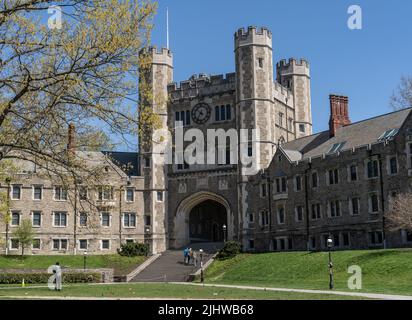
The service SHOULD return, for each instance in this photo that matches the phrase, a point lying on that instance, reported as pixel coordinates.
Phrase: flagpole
(167, 27)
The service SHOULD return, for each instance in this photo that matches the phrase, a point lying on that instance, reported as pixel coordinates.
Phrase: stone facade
(300, 192)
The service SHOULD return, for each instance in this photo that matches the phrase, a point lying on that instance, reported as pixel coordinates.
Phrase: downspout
(120, 216)
(307, 204)
(8, 215)
(382, 200)
(75, 219)
(270, 201)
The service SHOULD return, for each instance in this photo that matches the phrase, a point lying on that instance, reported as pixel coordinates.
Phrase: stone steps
(170, 265)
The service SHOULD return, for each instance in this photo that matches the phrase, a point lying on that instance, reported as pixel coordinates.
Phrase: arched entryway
(206, 221)
(200, 218)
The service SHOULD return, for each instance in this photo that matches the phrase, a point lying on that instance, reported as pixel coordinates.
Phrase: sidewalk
(339, 293)
(379, 296)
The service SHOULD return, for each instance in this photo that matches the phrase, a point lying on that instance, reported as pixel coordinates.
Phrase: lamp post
(84, 260)
(330, 245)
(147, 238)
(224, 233)
(8, 181)
(201, 266)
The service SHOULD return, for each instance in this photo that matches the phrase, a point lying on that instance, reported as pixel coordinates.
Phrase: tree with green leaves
(83, 71)
(24, 234)
(64, 62)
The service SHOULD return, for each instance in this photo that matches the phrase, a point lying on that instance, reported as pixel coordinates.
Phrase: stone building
(301, 187)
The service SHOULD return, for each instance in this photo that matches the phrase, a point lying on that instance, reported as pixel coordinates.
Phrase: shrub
(37, 278)
(230, 250)
(134, 249)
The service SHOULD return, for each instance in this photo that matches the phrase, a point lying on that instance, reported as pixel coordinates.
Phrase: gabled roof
(292, 155)
(354, 135)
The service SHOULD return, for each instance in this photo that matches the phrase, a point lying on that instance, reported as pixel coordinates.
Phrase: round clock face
(201, 113)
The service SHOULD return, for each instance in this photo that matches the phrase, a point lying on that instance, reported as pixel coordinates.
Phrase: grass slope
(121, 265)
(384, 271)
(143, 290)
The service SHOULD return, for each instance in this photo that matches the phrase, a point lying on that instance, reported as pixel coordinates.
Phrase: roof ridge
(353, 123)
(379, 116)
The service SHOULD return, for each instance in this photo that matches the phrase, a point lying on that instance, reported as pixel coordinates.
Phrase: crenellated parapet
(162, 56)
(253, 35)
(201, 85)
(293, 66)
(282, 94)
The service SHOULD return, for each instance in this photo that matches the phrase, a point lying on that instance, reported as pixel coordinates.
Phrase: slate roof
(354, 135)
(126, 161)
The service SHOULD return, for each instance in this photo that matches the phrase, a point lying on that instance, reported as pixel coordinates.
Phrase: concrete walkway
(339, 293)
(379, 296)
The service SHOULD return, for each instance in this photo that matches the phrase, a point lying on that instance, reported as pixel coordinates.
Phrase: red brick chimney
(71, 141)
(339, 113)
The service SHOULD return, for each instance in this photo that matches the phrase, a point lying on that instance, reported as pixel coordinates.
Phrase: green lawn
(384, 271)
(121, 265)
(144, 290)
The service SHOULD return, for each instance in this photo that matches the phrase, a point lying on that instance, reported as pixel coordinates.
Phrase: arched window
(217, 113)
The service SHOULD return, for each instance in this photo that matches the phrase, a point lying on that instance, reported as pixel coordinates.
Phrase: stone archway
(206, 221)
(206, 209)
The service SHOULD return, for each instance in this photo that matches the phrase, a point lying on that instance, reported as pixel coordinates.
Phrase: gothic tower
(295, 75)
(255, 109)
(155, 74)
(254, 85)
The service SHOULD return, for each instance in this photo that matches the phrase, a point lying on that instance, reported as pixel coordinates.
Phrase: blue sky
(365, 65)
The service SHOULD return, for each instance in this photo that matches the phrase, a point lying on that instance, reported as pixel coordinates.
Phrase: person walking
(186, 255)
(58, 276)
(194, 256)
(190, 255)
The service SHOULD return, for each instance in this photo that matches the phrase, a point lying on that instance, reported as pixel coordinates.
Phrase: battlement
(283, 94)
(202, 84)
(293, 66)
(253, 35)
(159, 55)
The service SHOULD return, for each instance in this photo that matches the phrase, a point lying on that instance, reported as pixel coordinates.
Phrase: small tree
(402, 97)
(400, 213)
(24, 234)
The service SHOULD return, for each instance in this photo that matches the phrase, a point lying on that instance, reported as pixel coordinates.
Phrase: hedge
(230, 250)
(36, 278)
(133, 249)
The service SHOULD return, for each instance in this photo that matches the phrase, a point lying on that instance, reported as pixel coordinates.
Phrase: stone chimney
(71, 141)
(339, 113)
